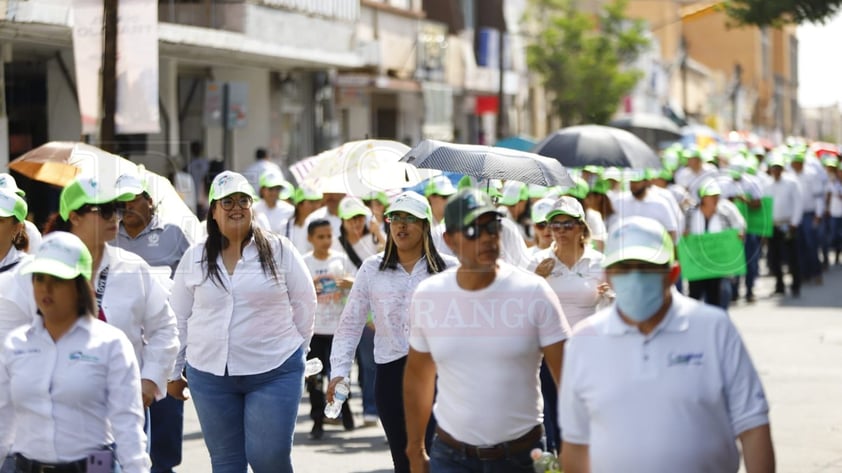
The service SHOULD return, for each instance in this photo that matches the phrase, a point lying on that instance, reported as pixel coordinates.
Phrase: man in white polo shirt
(482, 328)
(659, 382)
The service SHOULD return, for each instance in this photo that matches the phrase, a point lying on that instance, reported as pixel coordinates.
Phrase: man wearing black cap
(477, 336)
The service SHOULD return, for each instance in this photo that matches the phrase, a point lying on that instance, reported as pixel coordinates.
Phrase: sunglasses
(107, 211)
(541, 225)
(242, 202)
(405, 219)
(566, 225)
(473, 232)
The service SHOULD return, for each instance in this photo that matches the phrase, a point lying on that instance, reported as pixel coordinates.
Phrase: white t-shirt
(652, 206)
(486, 345)
(671, 401)
(575, 287)
(298, 237)
(332, 299)
(277, 216)
(596, 224)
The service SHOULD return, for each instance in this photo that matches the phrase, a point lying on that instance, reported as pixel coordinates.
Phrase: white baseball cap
(62, 255)
(640, 239)
(440, 185)
(566, 205)
(8, 183)
(411, 203)
(513, 192)
(541, 208)
(350, 207)
(12, 205)
(88, 189)
(227, 183)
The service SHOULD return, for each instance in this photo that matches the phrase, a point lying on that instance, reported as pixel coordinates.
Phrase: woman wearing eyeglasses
(540, 225)
(573, 270)
(246, 305)
(69, 384)
(130, 294)
(383, 286)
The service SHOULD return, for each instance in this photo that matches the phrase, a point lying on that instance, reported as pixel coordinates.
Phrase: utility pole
(502, 125)
(735, 96)
(107, 131)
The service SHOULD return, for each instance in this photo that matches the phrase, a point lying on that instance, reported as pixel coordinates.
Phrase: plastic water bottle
(544, 462)
(312, 366)
(340, 395)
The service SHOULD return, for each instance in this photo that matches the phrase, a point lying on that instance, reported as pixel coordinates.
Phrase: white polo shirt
(671, 401)
(486, 345)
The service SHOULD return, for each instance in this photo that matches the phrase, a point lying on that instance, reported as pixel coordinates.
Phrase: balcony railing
(230, 14)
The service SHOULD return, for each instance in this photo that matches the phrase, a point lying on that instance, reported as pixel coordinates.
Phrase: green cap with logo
(227, 183)
(413, 204)
(13, 205)
(569, 206)
(62, 255)
(85, 190)
(465, 206)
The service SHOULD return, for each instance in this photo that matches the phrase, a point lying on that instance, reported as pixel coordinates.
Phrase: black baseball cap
(465, 206)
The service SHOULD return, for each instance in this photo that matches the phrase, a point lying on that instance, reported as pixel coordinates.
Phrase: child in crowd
(333, 275)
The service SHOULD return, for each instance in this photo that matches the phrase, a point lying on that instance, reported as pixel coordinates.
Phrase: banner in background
(711, 255)
(137, 65)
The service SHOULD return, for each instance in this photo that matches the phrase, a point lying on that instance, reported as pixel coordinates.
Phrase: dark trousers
(388, 391)
(707, 290)
(320, 346)
(166, 421)
(550, 394)
(783, 249)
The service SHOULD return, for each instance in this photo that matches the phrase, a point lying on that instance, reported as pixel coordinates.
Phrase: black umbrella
(488, 162)
(655, 130)
(580, 146)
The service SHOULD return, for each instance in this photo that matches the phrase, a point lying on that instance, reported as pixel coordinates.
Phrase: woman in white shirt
(573, 270)
(13, 239)
(383, 287)
(69, 384)
(245, 305)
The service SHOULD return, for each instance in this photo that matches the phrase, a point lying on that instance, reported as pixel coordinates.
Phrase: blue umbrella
(520, 143)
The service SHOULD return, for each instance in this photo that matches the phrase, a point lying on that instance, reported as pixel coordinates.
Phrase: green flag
(758, 221)
(712, 255)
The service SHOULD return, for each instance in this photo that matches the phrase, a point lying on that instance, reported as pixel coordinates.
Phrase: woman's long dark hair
(216, 242)
(57, 224)
(21, 240)
(348, 247)
(435, 263)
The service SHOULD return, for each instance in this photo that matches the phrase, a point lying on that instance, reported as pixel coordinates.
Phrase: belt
(25, 465)
(494, 452)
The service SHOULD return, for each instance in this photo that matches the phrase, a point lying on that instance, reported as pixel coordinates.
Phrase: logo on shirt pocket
(79, 356)
(685, 359)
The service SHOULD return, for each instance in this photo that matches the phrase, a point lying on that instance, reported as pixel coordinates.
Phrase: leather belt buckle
(47, 469)
(485, 453)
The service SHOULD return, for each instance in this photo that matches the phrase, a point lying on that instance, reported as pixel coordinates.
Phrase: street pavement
(796, 345)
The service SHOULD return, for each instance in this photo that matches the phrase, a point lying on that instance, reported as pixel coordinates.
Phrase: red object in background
(487, 104)
(821, 148)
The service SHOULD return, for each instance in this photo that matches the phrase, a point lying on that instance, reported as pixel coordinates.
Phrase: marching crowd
(487, 319)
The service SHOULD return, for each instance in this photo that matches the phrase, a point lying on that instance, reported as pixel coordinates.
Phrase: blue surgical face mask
(639, 294)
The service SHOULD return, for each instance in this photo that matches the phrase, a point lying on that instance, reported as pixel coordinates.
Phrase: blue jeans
(167, 425)
(249, 419)
(446, 459)
(368, 371)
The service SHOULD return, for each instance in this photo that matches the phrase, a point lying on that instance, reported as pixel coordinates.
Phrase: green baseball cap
(439, 185)
(306, 192)
(90, 190)
(600, 187)
(709, 189)
(513, 192)
(638, 239)
(830, 161)
(350, 207)
(227, 183)
(797, 156)
(579, 190)
(13, 205)
(8, 182)
(62, 255)
(379, 196)
(538, 191)
(465, 206)
(775, 160)
(636, 175)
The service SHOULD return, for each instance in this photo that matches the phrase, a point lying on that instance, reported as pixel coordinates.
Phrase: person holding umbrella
(69, 384)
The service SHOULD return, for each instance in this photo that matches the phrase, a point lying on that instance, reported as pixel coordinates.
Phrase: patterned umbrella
(488, 162)
(580, 146)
